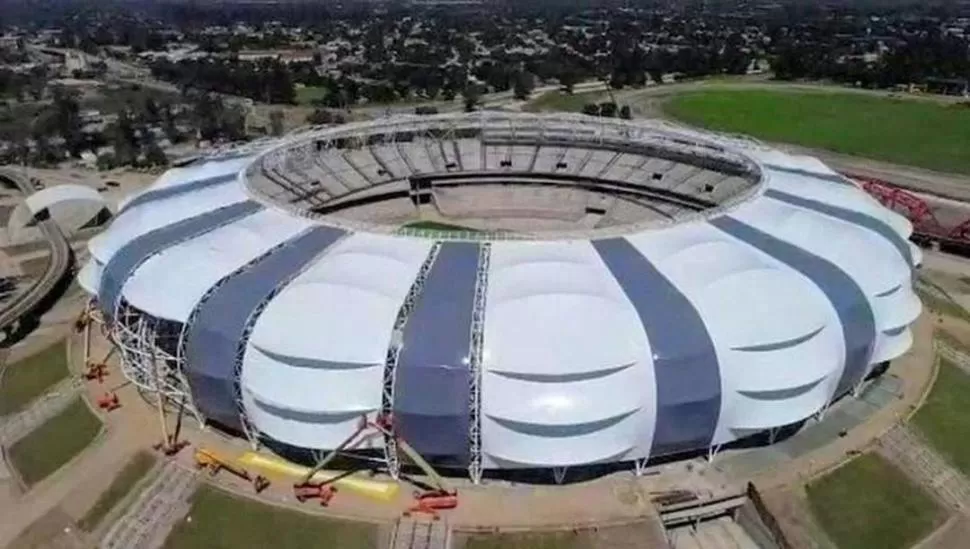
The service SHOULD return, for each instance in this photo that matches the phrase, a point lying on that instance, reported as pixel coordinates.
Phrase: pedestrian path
(906, 448)
(148, 521)
(413, 533)
(39, 411)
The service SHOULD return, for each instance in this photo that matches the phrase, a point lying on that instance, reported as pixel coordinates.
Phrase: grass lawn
(529, 540)
(223, 521)
(54, 443)
(869, 503)
(31, 377)
(942, 305)
(135, 470)
(436, 226)
(917, 133)
(556, 100)
(305, 96)
(943, 418)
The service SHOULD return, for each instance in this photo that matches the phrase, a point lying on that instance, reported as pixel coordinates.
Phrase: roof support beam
(475, 467)
(391, 455)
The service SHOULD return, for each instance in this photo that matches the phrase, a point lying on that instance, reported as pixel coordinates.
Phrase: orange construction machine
(96, 371)
(322, 491)
(205, 459)
(109, 402)
(441, 497)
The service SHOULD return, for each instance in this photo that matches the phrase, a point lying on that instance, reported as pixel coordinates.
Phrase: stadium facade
(677, 291)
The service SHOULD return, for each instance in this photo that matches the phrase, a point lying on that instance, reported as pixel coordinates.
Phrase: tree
(591, 109)
(106, 161)
(155, 156)
(276, 122)
(472, 95)
(524, 85)
(568, 80)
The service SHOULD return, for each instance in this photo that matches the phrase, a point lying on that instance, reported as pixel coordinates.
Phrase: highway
(25, 302)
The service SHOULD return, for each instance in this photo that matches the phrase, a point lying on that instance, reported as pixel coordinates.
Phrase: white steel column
(475, 361)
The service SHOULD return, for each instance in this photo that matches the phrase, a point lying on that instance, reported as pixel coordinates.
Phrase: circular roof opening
(496, 174)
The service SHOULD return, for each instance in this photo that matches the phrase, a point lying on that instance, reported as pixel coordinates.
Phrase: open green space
(943, 419)
(133, 472)
(56, 442)
(918, 133)
(556, 100)
(869, 503)
(529, 540)
(26, 380)
(309, 94)
(224, 521)
(437, 226)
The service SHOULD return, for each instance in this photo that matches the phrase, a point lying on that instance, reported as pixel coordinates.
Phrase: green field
(56, 442)
(529, 540)
(437, 226)
(223, 521)
(869, 503)
(135, 470)
(941, 305)
(309, 94)
(943, 418)
(558, 101)
(26, 380)
(918, 133)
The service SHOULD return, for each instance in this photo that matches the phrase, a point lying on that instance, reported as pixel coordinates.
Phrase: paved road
(56, 268)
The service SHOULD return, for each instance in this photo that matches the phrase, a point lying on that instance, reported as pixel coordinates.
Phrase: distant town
(142, 86)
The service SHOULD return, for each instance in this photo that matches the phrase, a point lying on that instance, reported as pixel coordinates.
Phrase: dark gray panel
(431, 390)
(832, 178)
(217, 330)
(124, 262)
(685, 363)
(561, 431)
(177, 190)
(849, 216)
(850, 303)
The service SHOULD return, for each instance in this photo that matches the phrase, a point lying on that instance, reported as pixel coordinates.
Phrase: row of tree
(266, 80)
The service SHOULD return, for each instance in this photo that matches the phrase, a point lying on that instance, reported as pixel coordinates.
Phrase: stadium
(609, 292)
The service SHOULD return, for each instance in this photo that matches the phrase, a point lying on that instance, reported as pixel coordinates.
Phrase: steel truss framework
(149, 355)
(475, 467)
(391, 455)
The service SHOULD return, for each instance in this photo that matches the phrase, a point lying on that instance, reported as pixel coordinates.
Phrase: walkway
(150, 519)
(39, 411)
(413, 533)
(906, 448)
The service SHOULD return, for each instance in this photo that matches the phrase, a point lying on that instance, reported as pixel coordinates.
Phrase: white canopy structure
(70, 206)
(741, 289)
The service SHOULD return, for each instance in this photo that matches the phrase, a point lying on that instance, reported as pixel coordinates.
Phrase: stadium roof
(541, 350)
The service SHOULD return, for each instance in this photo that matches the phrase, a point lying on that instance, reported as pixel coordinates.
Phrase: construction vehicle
(96, 371)
(323, 491)
(430, 503)
(440, 497)
(213, 463)
(109, 402)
